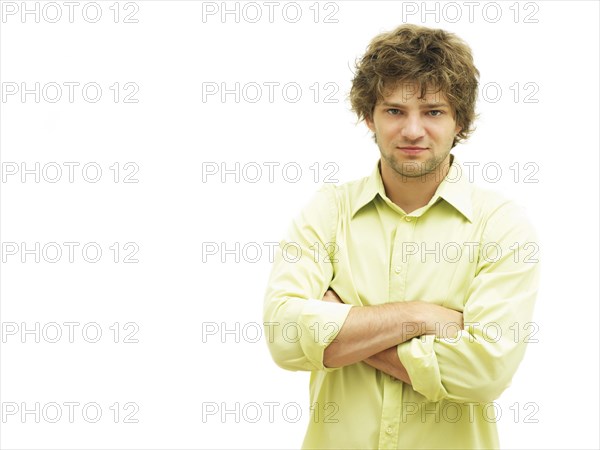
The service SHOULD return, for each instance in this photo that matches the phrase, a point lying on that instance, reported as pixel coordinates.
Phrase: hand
(441, 321)
(331, 296)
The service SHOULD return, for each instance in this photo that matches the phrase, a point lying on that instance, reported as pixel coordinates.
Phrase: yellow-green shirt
(469, 249)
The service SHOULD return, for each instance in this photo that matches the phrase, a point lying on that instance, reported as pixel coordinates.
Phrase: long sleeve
(298, 323)
(478, 365)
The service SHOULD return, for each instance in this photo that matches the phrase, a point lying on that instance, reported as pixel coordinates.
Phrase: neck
(411, 193)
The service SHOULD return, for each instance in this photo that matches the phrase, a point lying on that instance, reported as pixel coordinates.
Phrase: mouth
(412, 150)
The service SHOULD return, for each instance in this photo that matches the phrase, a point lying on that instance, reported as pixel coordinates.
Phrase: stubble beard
(413, 169)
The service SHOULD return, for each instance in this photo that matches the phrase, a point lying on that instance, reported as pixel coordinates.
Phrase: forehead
(410, 92)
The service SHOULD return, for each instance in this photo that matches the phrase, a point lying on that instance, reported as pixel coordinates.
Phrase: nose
(412, 128)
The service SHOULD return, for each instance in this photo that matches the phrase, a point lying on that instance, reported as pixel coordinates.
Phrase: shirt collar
(455, 189)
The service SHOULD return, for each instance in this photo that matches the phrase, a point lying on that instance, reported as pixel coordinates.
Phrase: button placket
(396, 281)
(390, 415)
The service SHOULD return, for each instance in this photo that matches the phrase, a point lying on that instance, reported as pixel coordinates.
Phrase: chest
(381, 257)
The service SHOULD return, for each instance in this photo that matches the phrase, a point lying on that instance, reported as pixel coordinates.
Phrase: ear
(370, 123)
(457, 130)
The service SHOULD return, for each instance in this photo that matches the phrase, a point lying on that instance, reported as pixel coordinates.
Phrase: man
(403, 292)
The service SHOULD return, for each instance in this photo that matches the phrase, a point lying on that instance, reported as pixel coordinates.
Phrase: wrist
(416, 318)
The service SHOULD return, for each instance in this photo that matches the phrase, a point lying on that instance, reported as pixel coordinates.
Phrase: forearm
(388, 362)
(371, 329)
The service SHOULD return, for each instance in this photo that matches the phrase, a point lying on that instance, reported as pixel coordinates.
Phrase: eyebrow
(423, 106)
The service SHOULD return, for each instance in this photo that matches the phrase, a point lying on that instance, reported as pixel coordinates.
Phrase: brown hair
(435, 59)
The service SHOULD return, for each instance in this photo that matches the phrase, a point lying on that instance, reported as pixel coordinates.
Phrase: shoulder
(353, 194)
(500, 215)
(331, 201)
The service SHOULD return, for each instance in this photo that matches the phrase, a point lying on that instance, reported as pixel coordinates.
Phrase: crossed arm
(470, 368)
(371, 334)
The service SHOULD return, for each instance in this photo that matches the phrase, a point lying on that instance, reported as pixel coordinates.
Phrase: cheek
(390, 129)
(442, 133)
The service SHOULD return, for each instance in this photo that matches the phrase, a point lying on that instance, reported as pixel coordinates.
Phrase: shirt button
(398, 269)
(389, 430)
(407, 218)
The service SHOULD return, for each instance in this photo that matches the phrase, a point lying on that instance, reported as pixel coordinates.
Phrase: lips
(412, 150)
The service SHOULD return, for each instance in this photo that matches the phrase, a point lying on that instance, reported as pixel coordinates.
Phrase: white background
(171, 296)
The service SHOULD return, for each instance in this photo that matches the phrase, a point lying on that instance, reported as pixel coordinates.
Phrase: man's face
(414, 134)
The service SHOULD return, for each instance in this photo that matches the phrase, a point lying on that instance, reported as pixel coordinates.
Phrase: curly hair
(434, 59)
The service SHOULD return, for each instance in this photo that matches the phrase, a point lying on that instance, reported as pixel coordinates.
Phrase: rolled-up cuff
(319, 323)
(419, 359)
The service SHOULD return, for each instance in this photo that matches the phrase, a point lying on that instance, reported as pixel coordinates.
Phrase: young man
(406, 289)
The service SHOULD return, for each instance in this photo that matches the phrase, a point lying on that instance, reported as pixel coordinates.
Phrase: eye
(435, 112)
(393, 111)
